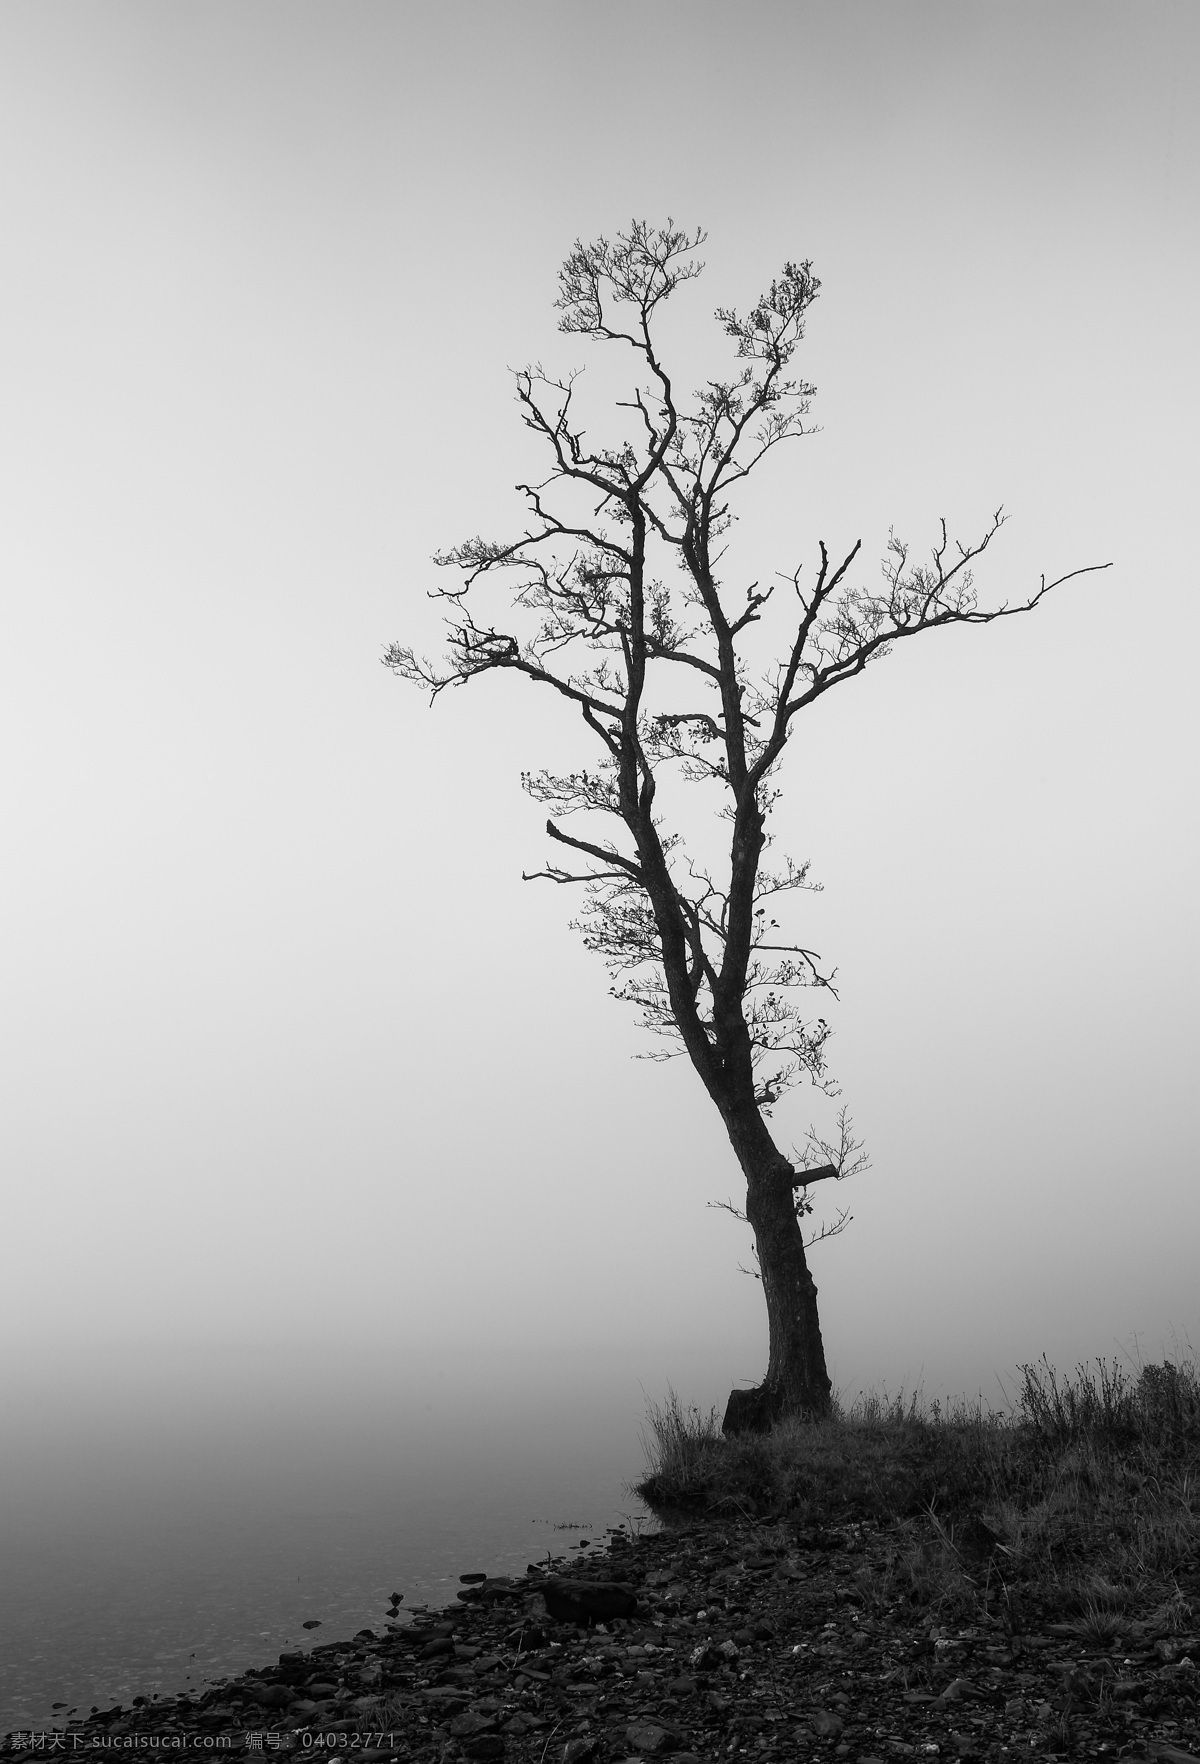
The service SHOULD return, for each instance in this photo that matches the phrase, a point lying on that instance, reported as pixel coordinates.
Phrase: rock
(269, 1696)
(579, 1751)
(466, 1726)
(442, 1644)
(587, 1601)
(485, 1745)
(311, 1623)
(826, 1725)
(644, 1736)
(472, 1579)
(494, 1588)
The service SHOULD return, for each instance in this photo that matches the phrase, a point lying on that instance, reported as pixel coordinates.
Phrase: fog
(306, 1091)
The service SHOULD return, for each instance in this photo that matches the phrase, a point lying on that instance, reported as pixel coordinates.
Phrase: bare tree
(614, 603)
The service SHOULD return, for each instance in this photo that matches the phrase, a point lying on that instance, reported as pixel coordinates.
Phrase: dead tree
(619, 600)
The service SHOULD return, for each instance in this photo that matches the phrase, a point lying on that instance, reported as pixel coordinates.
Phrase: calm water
(153, 1537)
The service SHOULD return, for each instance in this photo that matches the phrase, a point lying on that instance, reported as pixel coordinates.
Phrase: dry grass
(1082, 1499)
(883, 1457)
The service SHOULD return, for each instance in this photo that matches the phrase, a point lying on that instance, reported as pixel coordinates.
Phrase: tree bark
(797, 1382)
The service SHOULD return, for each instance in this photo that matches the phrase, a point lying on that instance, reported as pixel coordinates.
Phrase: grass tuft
(684, 1446)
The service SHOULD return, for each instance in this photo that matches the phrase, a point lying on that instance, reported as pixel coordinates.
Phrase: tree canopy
(620, 595)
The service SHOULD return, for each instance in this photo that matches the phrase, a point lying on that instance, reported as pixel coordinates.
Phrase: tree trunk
(797, 1382)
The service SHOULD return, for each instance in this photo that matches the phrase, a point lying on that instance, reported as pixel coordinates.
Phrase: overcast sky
(291, 1054)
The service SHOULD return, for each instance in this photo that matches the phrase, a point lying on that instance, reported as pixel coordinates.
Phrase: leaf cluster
(617, 596)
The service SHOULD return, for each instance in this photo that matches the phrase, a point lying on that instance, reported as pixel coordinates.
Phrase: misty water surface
(161, 1526)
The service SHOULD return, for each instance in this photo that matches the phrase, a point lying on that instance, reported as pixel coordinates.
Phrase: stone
(580, 1750)
(441, 1645)
(485, 1745)
(825, 1724)
(269, 1696)
(465, 1726)
(494, 1588)
(645, 1737)
(311, 1623)
(959, 1690)
(586, 1601)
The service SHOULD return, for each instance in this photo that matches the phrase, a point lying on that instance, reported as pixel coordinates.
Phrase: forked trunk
(797, 1382)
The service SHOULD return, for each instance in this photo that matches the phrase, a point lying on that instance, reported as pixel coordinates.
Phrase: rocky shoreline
(713, 1642)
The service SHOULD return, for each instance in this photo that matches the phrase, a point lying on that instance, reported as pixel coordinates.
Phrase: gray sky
(292, 1056)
